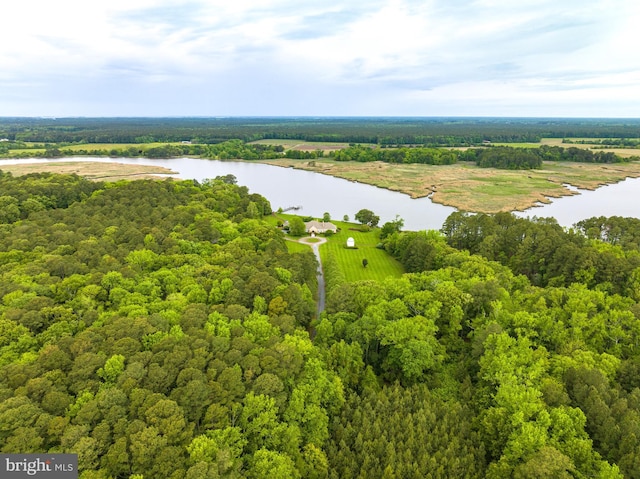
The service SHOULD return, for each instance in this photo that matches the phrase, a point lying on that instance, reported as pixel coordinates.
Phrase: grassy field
(295, 247)
(305, 145)
(470, 188)
(104, 148)
(33, 151)
(91, 170)
(380, 264)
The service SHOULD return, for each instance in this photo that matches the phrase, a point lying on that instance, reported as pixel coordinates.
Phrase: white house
(319, 227)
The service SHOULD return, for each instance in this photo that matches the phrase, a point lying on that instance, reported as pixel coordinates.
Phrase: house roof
(320, 225)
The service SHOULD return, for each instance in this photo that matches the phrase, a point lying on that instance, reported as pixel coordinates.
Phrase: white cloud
(320, 57)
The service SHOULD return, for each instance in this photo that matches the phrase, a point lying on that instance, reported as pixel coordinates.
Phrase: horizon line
(316, 117)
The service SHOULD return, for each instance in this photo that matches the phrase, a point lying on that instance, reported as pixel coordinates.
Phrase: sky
(513, 58)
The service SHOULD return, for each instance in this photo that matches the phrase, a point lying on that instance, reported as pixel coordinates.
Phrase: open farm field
(91, 148)
(470, 188)
(543, 141)
(91, 170)
(548, 142)
(115, 146)
(304, 145)
(20, 151)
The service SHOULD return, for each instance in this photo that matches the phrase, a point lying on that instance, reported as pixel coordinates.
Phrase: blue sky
(561, 58)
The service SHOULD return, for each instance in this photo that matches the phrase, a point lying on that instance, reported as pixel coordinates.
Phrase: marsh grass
(470, 188)
(91, 170)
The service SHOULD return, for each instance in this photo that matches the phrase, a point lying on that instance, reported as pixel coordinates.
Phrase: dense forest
(162, 329)
(382, 131)
(230, 149)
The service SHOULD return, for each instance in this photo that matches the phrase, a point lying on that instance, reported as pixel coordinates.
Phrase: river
(317, 193)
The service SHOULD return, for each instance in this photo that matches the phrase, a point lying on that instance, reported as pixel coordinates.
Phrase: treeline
(232, 149)
(545, 253)
(38, 192)
(429, 156)
(530, 158)
(607, 142)
(580, 155)
(503, 157)
(5, 146)
(430, 132)
(615, 230)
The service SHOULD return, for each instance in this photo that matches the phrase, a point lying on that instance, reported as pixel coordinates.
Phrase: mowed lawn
(380, 264)
(295, 247)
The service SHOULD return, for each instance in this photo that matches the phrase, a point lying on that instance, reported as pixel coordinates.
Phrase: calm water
(620, 199)
(317, 193)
